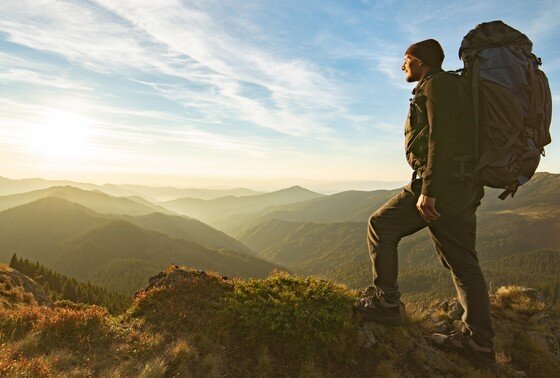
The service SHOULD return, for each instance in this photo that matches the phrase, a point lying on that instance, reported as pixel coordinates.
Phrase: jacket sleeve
(442, 113)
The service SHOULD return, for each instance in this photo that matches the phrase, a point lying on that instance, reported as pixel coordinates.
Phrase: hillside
(18, 290)
(189, 323)
(339, 251)
(95, 200)
(348, 206)
(35, 229)
(536, 198)
(210, 211)
(105, 255)
(59, 287)
(115, 253)
(193, 230)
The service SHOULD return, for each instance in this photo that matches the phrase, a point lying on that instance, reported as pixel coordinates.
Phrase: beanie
(428, 51)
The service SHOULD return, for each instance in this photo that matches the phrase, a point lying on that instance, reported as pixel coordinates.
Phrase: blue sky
(257, 93)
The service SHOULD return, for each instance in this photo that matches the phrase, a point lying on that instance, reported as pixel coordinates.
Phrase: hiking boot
(371, 306)
(463, 344)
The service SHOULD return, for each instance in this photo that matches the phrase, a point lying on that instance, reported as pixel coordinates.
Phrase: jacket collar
(428, 74)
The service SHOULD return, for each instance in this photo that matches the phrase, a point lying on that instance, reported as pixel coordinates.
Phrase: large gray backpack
(511, 105)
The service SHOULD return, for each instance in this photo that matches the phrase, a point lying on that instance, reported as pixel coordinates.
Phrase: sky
(262, 94)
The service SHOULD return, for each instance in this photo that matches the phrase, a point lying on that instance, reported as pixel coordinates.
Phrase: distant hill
(34, 230)
(209, 211)
(76, 241)
(168, 193)
(349, 206)
(339, 250)
(95, 200)
(151, 193)
(9, 186)
(38, 226)
(189, 229)
(104, 256)
(539, 195)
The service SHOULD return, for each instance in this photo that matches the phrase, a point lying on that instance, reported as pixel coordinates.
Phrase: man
(436, 199)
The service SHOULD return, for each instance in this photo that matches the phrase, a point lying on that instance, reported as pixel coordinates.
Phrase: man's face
(413, 69)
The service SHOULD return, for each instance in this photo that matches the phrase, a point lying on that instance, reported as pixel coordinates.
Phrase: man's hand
(427, 208)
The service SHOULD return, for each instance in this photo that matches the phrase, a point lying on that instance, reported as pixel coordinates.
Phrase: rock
(458, 324)
(454, 309)
(366, 332)
(440, 327)
(173, 276)
(16, 289)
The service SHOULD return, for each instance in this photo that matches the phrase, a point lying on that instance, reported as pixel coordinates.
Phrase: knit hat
(428, 51)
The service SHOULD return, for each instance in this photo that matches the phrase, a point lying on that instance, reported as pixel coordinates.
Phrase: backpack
(511, 106)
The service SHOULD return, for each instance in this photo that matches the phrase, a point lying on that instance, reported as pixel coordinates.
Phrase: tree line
(61, 287)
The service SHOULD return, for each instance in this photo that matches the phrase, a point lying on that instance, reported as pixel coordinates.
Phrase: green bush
(291, 316)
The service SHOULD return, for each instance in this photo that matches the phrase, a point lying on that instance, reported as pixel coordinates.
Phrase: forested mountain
(120, 255)
(539, 195)
(349, 206)
(339, 250)
(189, 229)
(209, 211)
(114, 253)
(322, 235)
(34, 230)
(95, 200)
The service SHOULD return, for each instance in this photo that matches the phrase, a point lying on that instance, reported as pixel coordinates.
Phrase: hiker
(436, 199)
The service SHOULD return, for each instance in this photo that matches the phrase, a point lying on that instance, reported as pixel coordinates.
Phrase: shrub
(293, 317)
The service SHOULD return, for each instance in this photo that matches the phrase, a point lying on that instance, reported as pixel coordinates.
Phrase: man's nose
(402, 67)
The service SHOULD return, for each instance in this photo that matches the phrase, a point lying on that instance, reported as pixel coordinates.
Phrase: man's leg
(455, 239)
(396, 219)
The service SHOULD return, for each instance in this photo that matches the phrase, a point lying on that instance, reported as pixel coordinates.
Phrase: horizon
(243, 94)
(322, 187)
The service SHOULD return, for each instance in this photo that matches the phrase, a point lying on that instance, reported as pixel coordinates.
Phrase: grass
(204, 325)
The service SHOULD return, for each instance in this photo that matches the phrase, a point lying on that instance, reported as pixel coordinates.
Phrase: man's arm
(442, 113)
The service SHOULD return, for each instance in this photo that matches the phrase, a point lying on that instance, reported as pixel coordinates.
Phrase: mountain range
(114, 252)
(70, 229)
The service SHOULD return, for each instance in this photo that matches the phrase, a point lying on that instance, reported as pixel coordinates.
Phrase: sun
(62, 135)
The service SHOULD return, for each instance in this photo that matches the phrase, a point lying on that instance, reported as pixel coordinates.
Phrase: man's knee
(380, 231)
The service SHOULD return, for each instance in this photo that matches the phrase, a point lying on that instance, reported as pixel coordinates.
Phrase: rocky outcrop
(173, 276)
(16, 289)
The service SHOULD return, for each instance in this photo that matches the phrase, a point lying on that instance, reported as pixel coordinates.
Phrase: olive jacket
(431, 130)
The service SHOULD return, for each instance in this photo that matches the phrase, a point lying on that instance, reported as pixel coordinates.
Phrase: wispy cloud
(35, 78)
(179, 40)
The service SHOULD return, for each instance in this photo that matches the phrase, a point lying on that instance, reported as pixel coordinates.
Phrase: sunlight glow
(61, 135)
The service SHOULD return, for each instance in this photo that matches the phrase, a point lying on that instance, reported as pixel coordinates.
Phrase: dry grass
(518, 299)
(184, 331)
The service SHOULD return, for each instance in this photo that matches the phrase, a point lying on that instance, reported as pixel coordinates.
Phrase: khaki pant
(454, 237)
